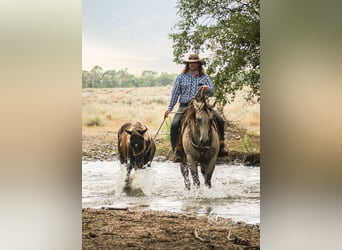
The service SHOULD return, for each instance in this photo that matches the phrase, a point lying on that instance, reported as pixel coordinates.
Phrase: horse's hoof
(127, 189)
(136, 192)
(187, 186)
(223, 153)
(177, 159)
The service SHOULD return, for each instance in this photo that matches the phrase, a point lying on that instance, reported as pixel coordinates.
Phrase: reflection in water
(235, 191)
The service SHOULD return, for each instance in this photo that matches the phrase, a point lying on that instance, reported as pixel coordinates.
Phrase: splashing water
(235, 191)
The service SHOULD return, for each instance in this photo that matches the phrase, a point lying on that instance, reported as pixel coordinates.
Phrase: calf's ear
(143, 131)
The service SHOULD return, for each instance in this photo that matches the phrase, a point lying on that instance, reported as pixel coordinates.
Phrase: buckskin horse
(135, 146)
(200, 139)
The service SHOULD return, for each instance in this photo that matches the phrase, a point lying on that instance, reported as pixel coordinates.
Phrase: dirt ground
(129, 229)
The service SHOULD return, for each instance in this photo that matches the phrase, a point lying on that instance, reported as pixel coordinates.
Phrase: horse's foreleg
(127, 188)
(208, 173)
(194, 174)
(185, 172)
(151, 155)
(129, 169)
(208, 180)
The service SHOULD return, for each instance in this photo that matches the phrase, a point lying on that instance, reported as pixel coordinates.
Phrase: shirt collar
(188, 73)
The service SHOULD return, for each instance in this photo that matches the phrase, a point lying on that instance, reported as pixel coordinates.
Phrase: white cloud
(134, 36)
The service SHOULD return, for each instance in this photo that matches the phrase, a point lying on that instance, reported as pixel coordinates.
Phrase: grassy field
(105, 110)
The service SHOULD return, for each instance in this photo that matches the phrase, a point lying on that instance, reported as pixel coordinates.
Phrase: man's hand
(167, 112)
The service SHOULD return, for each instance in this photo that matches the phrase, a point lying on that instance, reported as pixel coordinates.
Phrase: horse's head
(137, 145)
(203, 121)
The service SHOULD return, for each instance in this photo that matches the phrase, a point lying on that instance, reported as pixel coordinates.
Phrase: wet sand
(129, 229)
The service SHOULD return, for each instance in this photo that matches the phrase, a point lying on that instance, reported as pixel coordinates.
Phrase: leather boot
(177, 157)
(223, 152)
(178, 154)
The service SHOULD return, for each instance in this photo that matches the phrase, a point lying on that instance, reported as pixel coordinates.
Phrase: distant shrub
(153, 101)
(160, 101)
(94, 121)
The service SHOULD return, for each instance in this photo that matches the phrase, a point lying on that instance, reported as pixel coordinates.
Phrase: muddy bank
(104, 147)
(129, 229)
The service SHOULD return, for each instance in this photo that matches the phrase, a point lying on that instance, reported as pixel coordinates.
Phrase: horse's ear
(198, 105)
(128, 132)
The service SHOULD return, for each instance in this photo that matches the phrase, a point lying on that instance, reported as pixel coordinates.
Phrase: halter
(144, 148)
(211, 126)
(200, 148)
(142, 151)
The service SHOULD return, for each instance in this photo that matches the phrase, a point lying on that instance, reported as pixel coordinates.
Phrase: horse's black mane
(189, 112)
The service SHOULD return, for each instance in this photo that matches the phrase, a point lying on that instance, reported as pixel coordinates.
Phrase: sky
(130, 34)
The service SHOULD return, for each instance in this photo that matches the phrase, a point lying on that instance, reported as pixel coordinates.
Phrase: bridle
(212, 125)
(143, 150)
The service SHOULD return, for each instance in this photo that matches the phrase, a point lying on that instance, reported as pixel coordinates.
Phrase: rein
(199, 147)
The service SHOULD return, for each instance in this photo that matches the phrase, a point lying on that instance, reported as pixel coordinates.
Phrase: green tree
(86, 79)
(166, 79)
(228, 31)
(96, 76)
(125, 79)
(148, 78)
(109, 79)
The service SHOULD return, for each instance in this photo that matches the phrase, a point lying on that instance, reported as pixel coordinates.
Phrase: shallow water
(235, 191)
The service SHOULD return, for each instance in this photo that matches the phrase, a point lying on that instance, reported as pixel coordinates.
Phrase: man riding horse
(186, 86)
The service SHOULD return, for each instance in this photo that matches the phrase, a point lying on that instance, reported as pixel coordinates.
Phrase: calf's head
(137, 147)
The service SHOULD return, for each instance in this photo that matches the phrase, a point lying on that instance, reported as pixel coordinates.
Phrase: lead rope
(148, 148)
(159, 129)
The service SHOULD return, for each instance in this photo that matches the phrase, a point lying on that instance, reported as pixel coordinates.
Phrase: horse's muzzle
(203, 141)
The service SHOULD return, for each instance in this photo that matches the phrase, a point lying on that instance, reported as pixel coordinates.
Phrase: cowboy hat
(193, 58)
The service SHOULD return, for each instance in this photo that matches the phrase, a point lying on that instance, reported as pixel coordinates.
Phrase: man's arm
(174, 94)
(209, 86)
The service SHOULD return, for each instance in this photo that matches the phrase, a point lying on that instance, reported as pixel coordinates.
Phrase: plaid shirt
(186, 87)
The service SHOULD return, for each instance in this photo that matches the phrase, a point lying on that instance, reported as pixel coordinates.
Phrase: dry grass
(119, 105)
(105, 110)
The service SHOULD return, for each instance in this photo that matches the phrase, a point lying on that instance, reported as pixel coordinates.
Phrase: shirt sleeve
(175, 93)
